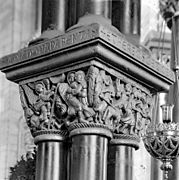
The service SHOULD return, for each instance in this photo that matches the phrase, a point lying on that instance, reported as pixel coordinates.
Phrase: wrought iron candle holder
(162, 140)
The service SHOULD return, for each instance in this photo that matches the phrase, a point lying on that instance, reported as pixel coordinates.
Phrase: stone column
(93, 11)
(136, 17)
(72, 12)
(89, 152)
(121, 16)
(54, 15)
(127, 131)
(99, 7)
(126, 18)
(120, 161)
(51, 155)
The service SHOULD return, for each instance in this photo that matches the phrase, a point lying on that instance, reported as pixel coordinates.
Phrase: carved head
(28, 112)
(71, 77)
(79, 76)
(39, 87)
(108, 80)
(128, 88)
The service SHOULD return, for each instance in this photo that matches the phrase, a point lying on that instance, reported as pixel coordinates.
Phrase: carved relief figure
(124, 102)
(43, 103)
(101, 93)
(82, 94)
(36, 99)
(135, 109)
(74, 94)
(84, 97)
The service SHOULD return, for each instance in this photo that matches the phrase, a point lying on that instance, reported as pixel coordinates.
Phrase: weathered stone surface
(93, 41)
(88, 95)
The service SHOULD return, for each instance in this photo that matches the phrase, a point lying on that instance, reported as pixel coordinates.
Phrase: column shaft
(72, 18)
(126, 17)
(136, 17)
(90, 12)
(51, 163)
(121, 15)
(88, 157)
(54, 14)
(127, 24)
(97, 7)
(156, 172)
(120, 163)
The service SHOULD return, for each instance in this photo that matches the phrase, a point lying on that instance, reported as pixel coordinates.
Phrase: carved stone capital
(91, 96)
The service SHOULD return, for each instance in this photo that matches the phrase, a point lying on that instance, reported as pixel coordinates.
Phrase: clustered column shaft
(88, 154)
(126, 17)
(88, 157)
(120, 162)
(52, 152)
(54, 15)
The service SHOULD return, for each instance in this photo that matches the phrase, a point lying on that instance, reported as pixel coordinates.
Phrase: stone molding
(90, 41)
(125, 140)
(49, 135)
(90, 129)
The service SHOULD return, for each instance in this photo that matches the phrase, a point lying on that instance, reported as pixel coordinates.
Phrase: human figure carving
(81, 93)
(36, 102)
(43, 104)
(101, 95)
(75, 96)
(125, 102)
